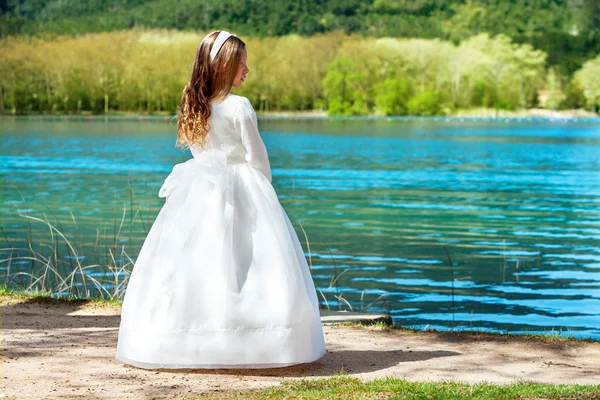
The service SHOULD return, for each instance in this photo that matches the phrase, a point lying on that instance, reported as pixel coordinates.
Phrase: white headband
(221, 38)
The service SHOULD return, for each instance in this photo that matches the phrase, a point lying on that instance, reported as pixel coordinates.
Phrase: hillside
(567, 30)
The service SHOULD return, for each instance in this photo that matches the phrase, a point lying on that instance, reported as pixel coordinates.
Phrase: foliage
(574, 97)
(588, 77)
(568, 31)
(345, 86)
(425, 104)
(422, 77)
(555, 95)
(287, 72)
(392, 96)
(97, 73)
(513, 72)
(144, 72)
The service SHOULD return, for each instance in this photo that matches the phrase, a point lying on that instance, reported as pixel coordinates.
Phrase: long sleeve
(247, 126)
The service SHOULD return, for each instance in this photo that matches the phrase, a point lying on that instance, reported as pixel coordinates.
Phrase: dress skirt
(221, 280)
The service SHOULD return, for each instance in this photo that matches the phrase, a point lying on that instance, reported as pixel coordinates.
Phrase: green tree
(345, 87)
(513, 72)
(554, 92)
(392, 96)
(567, 30)
(588, 77)
(425, 104)
(589, 18)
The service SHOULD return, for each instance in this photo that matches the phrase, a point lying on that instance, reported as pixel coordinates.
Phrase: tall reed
(61, 264)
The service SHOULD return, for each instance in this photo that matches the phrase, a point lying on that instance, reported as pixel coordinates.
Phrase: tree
(588, 77)
(392, 96)
(589, 18)
(514, 72)
(554, 92)
(426, 104)
(345, 88)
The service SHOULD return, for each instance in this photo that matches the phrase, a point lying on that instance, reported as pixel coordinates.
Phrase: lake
(445, 224)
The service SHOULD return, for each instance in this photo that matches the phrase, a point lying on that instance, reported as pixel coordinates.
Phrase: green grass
(46, 298)
(344, 387)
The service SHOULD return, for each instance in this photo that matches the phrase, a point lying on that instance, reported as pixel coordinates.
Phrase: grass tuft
(41, 297)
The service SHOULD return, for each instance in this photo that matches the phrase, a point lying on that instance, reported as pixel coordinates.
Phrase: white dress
(221, 280)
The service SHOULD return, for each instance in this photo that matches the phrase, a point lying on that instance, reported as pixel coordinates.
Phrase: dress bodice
(234, 131)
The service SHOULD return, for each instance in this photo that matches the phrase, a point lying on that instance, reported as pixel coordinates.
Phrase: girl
(221, 280)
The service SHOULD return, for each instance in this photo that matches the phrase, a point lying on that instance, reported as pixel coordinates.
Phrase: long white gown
(221, 280)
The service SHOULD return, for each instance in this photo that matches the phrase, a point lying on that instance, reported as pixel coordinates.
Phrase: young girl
(221, 280)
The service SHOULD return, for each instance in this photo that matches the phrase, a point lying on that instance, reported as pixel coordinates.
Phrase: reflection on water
(386, 207)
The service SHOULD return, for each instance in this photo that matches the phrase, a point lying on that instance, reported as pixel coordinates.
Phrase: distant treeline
(567, 30)
(145, 71)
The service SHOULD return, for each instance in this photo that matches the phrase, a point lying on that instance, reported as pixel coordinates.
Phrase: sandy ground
(67, 351)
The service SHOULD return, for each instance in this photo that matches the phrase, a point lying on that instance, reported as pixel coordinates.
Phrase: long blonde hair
(210, 81)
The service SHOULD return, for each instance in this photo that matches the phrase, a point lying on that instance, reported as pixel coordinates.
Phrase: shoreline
(474, 115)
(328, 316)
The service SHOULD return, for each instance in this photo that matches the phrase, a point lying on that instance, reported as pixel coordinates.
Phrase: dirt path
(65, 350)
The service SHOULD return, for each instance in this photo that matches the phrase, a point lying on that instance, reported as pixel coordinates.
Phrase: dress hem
(144, 365)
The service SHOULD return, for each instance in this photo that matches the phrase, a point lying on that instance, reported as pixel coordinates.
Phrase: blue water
(385, 206)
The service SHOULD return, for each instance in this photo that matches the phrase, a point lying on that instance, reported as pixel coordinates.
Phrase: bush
(425, 104)
(392, 96)
(504, 105)
(574, 97)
